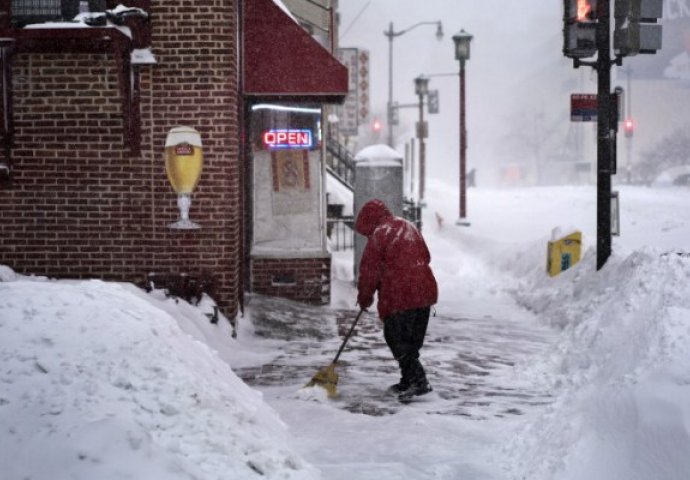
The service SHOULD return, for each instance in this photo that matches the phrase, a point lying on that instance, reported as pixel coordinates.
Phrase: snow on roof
(377, 152)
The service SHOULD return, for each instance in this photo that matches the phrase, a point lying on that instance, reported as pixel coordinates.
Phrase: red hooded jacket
(395, 262)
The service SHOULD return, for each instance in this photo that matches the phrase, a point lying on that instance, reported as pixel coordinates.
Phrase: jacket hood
(371, 215)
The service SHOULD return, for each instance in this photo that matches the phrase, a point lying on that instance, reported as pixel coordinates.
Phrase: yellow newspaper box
(563, 253)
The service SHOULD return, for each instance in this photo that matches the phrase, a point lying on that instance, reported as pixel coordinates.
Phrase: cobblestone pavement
(469, 361)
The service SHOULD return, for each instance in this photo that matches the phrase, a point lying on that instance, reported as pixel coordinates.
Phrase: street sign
(363, 90)
(422, 129)
(348, 113)
(583, 107)
(615, 214)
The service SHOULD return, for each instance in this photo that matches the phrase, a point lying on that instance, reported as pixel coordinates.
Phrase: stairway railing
(340, 162)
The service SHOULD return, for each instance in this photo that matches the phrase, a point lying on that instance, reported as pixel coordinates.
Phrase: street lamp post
(462, 41)
(391, 34)
(421, 88)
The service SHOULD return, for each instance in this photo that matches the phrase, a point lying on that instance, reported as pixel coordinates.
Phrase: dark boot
(399, 387)
(415, 390)
(418, 384)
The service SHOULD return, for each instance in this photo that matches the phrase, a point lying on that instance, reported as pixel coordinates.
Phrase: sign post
(583, 107)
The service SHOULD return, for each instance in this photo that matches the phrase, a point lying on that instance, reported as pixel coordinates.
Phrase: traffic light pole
(606, 129)
(605, 136)
(586, 32)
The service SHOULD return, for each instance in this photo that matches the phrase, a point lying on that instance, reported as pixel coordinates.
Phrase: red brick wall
(302, 279)
(80, 205)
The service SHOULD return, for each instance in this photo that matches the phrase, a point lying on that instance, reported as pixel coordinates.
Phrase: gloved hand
(364, 302)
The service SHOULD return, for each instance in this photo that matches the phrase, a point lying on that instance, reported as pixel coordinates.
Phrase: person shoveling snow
(395, 263)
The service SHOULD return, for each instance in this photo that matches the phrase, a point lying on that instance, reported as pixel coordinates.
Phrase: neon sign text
(286, 138)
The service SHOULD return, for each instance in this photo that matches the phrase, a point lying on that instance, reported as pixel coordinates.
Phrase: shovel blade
(326, 378)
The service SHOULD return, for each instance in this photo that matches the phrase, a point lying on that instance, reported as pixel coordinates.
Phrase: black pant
(404, 333)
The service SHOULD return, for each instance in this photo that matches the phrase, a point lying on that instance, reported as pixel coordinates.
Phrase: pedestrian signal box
(433, 102)
(637, 29)
(579, 28)
(563, 253)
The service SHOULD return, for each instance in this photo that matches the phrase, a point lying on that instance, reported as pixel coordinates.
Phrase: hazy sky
(518, 82)
(511, 42)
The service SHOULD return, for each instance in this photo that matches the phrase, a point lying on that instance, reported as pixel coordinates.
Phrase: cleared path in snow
(469, 361)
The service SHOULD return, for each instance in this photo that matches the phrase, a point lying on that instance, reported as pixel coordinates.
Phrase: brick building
(86, 112)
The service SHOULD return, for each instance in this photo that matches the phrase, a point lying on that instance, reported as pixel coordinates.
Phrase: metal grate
(39, 8)
(37, 11)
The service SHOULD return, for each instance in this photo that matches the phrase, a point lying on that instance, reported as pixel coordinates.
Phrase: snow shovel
(327, 377)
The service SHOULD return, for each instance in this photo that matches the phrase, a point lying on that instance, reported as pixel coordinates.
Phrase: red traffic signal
(579, 28)
(586, 10)
(376, 126)
(628, 127)
(580, 11)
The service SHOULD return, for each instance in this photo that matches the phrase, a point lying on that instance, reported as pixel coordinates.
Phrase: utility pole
(391, 34)
(421, 87)
(605, 164)
(628, 128)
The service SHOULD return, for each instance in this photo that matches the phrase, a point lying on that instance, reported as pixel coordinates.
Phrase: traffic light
(636, 30)
(376, 125)
(395, 114)
(433, 102)
(628, 127)
(579, 28)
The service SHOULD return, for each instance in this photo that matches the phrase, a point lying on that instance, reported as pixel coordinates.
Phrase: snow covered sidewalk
(468, 360)
(473, 361)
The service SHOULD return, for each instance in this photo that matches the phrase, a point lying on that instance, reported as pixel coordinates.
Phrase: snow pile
(339, 194)
(99, 382)
(620, 371)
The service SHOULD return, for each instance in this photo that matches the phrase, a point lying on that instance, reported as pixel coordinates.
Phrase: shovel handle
(347, 337)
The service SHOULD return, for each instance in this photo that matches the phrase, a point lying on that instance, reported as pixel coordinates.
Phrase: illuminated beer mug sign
(183, 163)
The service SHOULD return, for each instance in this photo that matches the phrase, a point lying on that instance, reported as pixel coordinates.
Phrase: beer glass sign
(183, 163)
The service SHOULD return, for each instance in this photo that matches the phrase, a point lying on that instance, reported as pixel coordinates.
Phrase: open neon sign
(287, 138)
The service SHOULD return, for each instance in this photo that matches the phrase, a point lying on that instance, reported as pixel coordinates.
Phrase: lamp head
(421, 85)
(462, 41)
(439, 31)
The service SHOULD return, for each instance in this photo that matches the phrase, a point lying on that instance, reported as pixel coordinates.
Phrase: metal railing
(340, 162)
(341, 235)
(413, 212)
(341, 229)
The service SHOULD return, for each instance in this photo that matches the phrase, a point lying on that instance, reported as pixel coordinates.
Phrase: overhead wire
(340, 38)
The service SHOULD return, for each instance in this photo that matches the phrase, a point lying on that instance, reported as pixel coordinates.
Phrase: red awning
(280, 59)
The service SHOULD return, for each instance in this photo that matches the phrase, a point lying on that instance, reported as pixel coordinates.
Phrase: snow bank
(620, 374)
(619, 370)
(98, 382)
